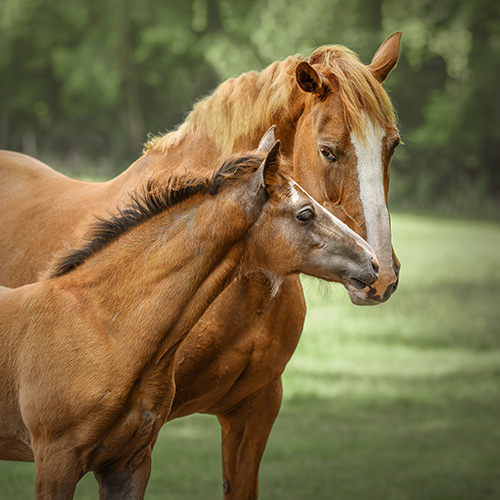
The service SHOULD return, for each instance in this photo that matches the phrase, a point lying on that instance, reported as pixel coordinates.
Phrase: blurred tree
(93, 77)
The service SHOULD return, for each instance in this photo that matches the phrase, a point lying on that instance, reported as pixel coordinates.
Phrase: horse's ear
(386, 57)
(270, 165)
(268, 140)
(308, 79)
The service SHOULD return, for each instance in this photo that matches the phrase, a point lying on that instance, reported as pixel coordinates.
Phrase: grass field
(395, 402)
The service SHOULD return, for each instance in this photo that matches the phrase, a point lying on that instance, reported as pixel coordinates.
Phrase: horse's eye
(327, 154)
(305, 215)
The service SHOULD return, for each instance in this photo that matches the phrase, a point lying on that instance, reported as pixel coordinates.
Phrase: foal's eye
(327, 154)
(305, 215)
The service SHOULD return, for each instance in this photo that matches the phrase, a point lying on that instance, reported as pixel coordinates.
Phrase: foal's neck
(150, 286)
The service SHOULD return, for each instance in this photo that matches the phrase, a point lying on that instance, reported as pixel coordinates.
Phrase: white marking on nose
(297, 190)
(343, 229)
(371, 190)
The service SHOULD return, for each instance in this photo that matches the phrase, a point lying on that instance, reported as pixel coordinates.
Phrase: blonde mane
(241, 105)
(360, 92)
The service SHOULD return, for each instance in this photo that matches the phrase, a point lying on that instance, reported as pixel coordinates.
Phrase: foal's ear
(268, 140)
(270, 165)
(308, 79)
(386, 57)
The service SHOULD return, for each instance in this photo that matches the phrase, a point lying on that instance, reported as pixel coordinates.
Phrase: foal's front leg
(57, 471)
(128, 482)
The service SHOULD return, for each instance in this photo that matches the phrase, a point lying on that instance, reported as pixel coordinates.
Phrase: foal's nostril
(375, 265)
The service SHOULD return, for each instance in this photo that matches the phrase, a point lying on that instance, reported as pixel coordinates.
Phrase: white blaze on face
(371, 191)
(294, 194)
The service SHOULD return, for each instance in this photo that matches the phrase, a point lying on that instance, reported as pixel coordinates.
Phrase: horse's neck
(242, 117)
(182, 158)
(147, 293)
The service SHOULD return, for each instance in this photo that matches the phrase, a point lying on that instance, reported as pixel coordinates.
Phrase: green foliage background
(84, 82)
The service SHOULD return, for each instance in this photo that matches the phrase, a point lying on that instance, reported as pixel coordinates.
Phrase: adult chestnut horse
(87, 356)
(337, 123)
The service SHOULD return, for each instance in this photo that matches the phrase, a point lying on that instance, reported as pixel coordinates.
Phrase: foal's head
(295, 234)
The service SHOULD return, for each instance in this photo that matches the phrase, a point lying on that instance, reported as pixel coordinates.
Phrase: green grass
(395, 402)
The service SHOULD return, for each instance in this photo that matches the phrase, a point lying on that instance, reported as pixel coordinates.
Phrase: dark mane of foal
(154, 199)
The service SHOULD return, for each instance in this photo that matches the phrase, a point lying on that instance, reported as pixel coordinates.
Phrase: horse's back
(31, 196)
(23, 179)
(17, 168)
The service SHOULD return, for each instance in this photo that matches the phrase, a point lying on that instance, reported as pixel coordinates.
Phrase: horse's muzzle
(370, 296)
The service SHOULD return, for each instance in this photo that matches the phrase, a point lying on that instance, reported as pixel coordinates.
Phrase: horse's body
(335, 120)
(88, 355)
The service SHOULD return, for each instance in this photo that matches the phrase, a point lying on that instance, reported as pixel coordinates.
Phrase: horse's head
(295, 234)
(344, 143)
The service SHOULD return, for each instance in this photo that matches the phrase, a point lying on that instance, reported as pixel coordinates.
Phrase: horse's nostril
(375, 265)
(396, 268)
(390, 290)
(392, 287)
